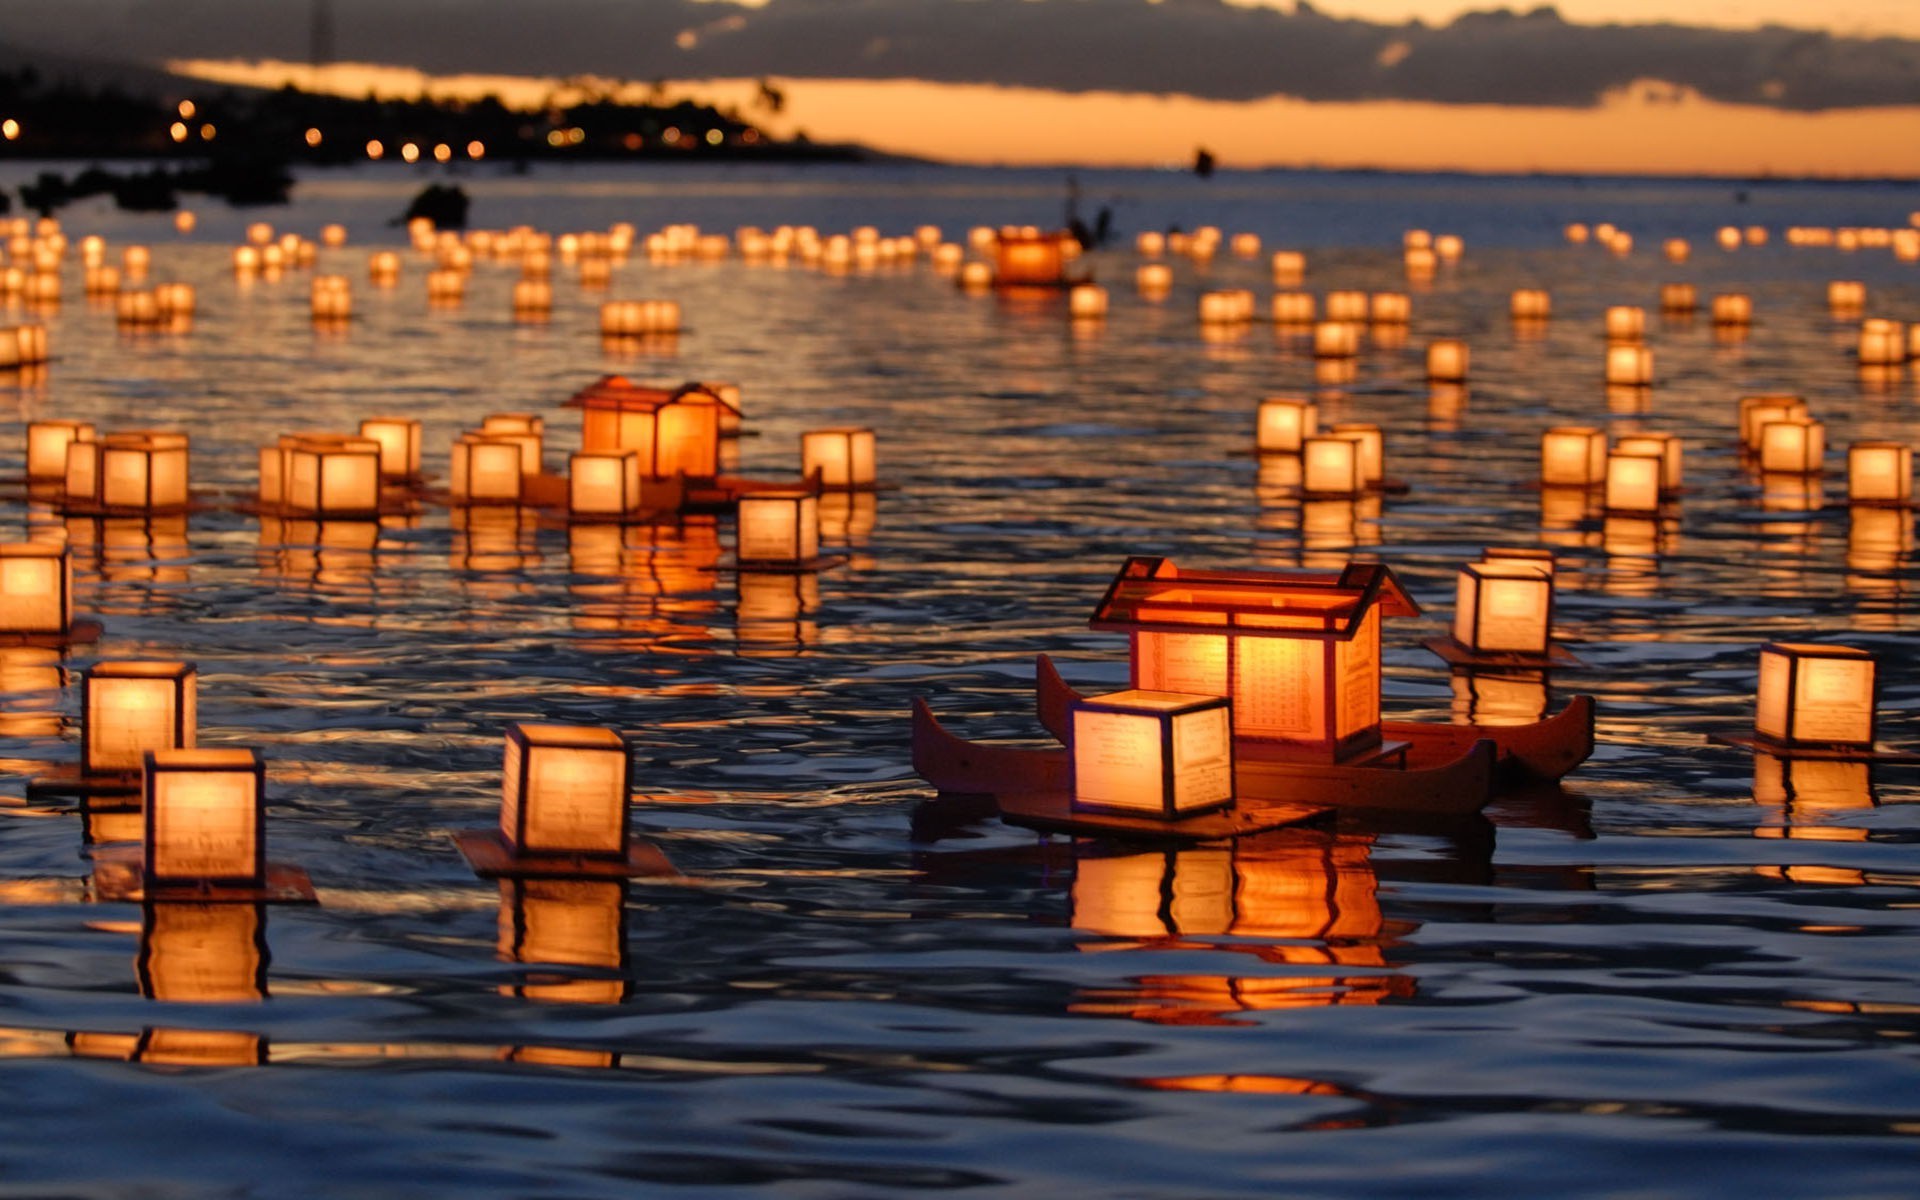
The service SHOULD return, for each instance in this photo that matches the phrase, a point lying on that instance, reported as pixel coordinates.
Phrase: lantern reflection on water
(1502, 697)
(568, 923)
(203, 953)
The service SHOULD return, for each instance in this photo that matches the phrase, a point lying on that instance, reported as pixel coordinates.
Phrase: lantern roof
(1153, 595)
(617, 391)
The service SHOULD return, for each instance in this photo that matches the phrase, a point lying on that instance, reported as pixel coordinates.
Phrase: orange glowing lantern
(1447, 361)
(129, 472)
(399, 441)
(1029, 258)
(1087, 301)
(1666, 445)
(1815, 696)
(1794, 446)
(1633, 482)
(1676, 249)
(778, 527)
(1331, 466)
(1284, 424)
(565, 791)
(843, 458)
(1289, 267)
(204, 825)
(1152, 754)
(1882, 343)
(1573, 456)
(1503, 606)
(1153, 279)
(1728, 236)
(1678, 298)
(129, 708)
(1879, 473)
(1732, 309)
(1372, 450)
(604, 483)
(1297, 653)
(332, 476)
(1336, 340)
(383, 268)
(47, 443)
(36, 588)
(1626, 323)
(1150, 244)
(1347, 306)
(676, 432)
(1390, 308)
(330, 298)
(1530, 304)
(1294, 308)
(1629, 365)
(1757, 411)
(485, 470)
(1846, 296)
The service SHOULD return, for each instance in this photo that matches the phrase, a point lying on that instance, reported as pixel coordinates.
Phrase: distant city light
(313, 137)
(633, 141)
(9, 129)
(476, 150)
(715, 137)
(375, 150)
(672, 136)
(409, 152)
(186, 110)
(206, 133)
(442, 153)
(179, 131)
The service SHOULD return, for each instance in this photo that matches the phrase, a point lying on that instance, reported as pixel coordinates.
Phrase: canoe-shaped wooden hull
(1456, 788)
(1542, 751)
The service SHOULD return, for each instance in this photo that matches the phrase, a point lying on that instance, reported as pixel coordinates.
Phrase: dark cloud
(1197, 47)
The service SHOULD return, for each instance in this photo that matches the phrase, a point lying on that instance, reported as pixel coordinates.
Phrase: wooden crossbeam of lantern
(1297, 652)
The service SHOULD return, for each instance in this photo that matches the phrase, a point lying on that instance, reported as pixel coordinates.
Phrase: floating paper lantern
(1503, 607)
(1729, 237)
(1331, 466)
(1732, 309)
(1289, 267)
(1227, 307)
(1846, 296)
(976, 277)
(1573, 456)
(565, 791)
(129, 708)
(532, 297)
(676, 432)
(1530, 304)
(1676, 249)
(1347, 306)
(1150, 244)
(1633, 482)
(329, 476)
(1372, 446)
(1815, 696)
(1336, 339)
(1626, 323)
(1577, 233)
(1629, 365)
(204, 818)
(129, 472)
(1447, 360)
(36, 588)
(1879, 473)
(1448, 247)
(1882, 343)
(1420, 262)
(1293, 308)
(331, 298)
(1793, 446)
(383, 268)
(1540, 558)
(1757, 411)
(778, 527)
(1390, 308)
(1029, 258)
(604, 483)
(485, 470)
(1284, 424)
(843, 458)
(399, 441)
(1678, 298)
(1087, 301)
(1666, 445)
(1154, 279)
(1152, 754)
(47, 443)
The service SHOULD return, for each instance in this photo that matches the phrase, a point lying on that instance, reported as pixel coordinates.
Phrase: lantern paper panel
(1503, 607)
(1447, 360)
(604, 483)
(337, 478)
(36, 588)
(399, 442)
(1372, 448)
(564, 790)
(204, 810)
(1633, 482)
(844, 458)
(1160, 754)
(485, 470)
(47, 443)
(1665, 445)
(778, 528)
(1795, 447)
(1815, 695)
(1284, 424)
(1573, 456)
(1879, 472)
(130, 708)
(1331, 466)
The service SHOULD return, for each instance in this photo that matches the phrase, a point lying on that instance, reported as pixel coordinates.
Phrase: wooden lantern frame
(1170, 714)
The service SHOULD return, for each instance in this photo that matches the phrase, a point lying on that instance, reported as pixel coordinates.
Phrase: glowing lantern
(129, 708)
(1845, 296)
(1530, 304)
(1815, 695)
(1447, 361)
(1349, 307)
(1448, 247)
(137, 309)
(47, 443)
(1150, 244)
(1289, 267)
(1029, 258)
(1729, 237)
(1794, 446)
(1633, 482)
(525, 431)
(976, 277)
(843, 458)
(1626, 323)
(1155, 754)
(1336, 340)
(1297, 653)
(1666, 446)
(778, 527)
(1577, 233)
(1330, 466)
(1503, 607)
(1245, 245)
(1676, 250)
(1733, 308)
(1227, 307)
(131, 472)
(204, 821)
(330, 298)
(532, 297)
(676, 432)
(1629, 365)
(1293, 308)
(603, 483)
(330, 476)
(1153, 279)
(1678, 298)
(1087, 301)
(1757, 411)
(36, 588)
(1883, 343)
(399, 442)
(1284, 424)
(383, 268)
(1879, 473)
(1390, 308)
(1573, 456)
(1372, 449)
(564, 791)
(485, 470)
(1421, 262)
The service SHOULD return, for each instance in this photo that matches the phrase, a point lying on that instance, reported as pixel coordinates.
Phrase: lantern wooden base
(811, 566)
(86, 508)
(1762, 745)
(396, 500)
(108, 791)
(1902, 505)
(79, 633)
(1053, 812)
(1388, 486)
(487, 852)
(723, 493)
(117, 878)
(1457, 655)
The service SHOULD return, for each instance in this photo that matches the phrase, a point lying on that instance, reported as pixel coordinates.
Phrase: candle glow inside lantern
(1087, 301)
(844, 458)
(1629, 365)
(1732, 308)
(1330, 466)
(1793, 446)
(1152, 754)
(130, 471)
(778, 527)
(1633, 482)
(1347, 306)
(1573, 456)
(399, 442)
(1815, 695)
(204, 825)
(604, 483)
(1029, 258)
(1757, 411)
(1666, 445)
(1447, 361)
(1297, 653)
(1530, 304)
(1284, 424)
(1372, 449)
(47, 443)
(1846, 296)
(1503, 606)
(485, 470)
(1879, 473)
(129, 708)
(1883, 343)
(1390, 308)
(1626, 323)
(565, 791)
(1294, 308)
(36, 588)
(1678, 298)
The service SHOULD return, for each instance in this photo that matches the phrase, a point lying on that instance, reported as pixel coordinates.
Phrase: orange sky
(1648, 128)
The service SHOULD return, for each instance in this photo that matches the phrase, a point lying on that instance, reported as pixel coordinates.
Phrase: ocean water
(1685, 972)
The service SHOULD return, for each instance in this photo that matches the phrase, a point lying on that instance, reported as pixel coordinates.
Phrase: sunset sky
(1600, 85)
